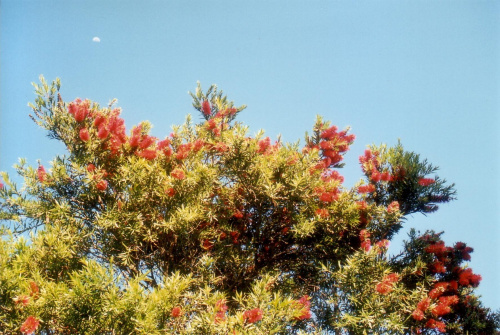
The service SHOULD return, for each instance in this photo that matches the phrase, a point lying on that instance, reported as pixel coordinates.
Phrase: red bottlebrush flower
(220, 305)
(323, 213)
(263, 145)
(102, 133)
(391, 278)
(79, 109)
(362, 205)
(234, 236)
(1, 185)
(178, 174)
(148, 154)
(91, 168)
(176, 312)
(73, 106)
(449, 300)
(366, 245)
(222, 236)
(238, 214)
(99, 120)
(170, 191)
(386, 176)
(30, 325)
(376, 176)
(102, 185)
(433, 324)
(182, 154)
(23, 300)
(426, 181)
(220, 317)
(453, 285)
(441, 309)
(467, 278)
(253, 315)
(329, 133)
(206, 108)
(331, 175)
(198, 145)
(147, 141)
(221, 147)
(328, 196)
(135, 139)
(41, 173)
(366, 188)
(305, 306)
(34, 290)
(207, 244)
(417, 315)
(84, 134)
(437, 267)
(220, 309)
(438, 249)
(383, 287)
(211, 124)
(364, 234)
(424, 304)
(163, 144)
(393, 207)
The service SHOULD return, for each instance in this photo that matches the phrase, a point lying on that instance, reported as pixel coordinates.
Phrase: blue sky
(425, 72)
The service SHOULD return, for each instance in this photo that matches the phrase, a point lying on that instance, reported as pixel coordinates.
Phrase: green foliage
(212, 231)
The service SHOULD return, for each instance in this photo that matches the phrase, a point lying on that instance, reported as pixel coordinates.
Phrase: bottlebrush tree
(212, 231)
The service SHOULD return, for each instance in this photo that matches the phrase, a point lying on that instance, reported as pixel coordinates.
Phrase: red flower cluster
(79, 109)
(263, 144)
(463, 250)
(364, 236)
(323, 213)
(34, 290)
(447, 257)
(176, 312)
(386, 285)
(170, 191)
(30, 325)
(102, 185)
(466, 278)
(443, 307)
(434, 324)
(444, 294)
(422, 306)
(366, 188)
(41, 174)
(334, 144)
(305, 306)
(84, 134)
(220, 311)
(22, 300)
(426, 181)
(207, 244)
(253, 315)
(206, 108)
(369, 161)
(238, 214)
(113, 126)
(370, 166)
(393, 207)
(178, 174)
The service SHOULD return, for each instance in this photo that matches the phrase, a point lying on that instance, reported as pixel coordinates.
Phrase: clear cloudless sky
(425, 72)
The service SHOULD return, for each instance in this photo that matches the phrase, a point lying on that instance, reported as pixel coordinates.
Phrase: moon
(96, 39)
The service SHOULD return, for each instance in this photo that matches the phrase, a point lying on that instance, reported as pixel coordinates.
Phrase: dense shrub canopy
(210, 230)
